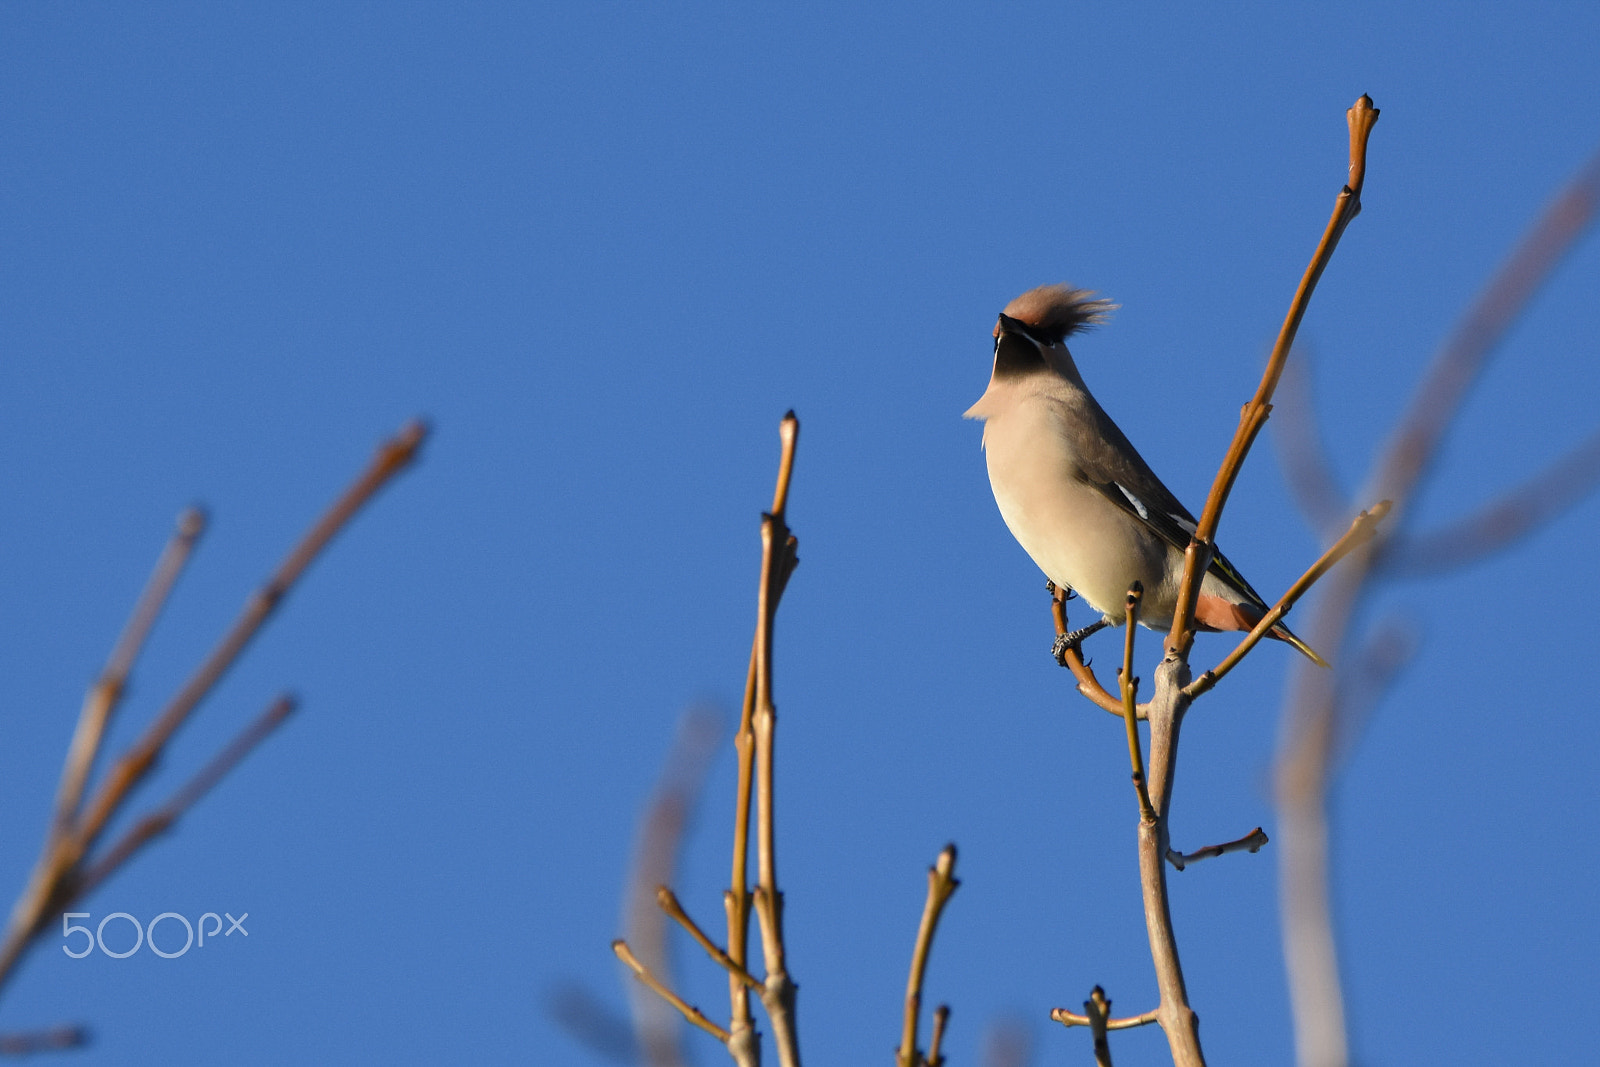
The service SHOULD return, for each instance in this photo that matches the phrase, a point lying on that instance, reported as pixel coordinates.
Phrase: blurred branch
(66, 868)
(1316, 711)
(1501, 523)
(165, 817)
(107, 692)
(942, 883)
(53, 1039)
(655, 858)
(1006, 1043)
(1438, 399)
(1306, 464)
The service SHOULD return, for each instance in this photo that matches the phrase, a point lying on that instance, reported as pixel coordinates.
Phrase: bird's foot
(1068, 642)
(1066, 590)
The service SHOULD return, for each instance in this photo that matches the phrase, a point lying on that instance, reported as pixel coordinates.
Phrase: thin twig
(1070, 1019)
(691, 1013)
(165, 817)
(1251, 842)
(941, 884)
(941, 1020)
(1360, 118)
(669, 904)
(1362, 529)
(1130, 691)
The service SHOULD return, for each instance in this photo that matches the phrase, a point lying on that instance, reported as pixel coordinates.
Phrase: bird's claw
(1069, 642)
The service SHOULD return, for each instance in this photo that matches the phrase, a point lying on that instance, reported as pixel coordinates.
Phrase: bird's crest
(1051, 312)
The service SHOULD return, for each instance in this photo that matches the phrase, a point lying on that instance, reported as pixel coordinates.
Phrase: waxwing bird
(1076, 494)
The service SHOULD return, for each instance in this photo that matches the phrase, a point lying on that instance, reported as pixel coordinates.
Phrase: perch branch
(1072, 659)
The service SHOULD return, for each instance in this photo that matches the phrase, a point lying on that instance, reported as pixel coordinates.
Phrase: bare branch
(1130, 690)
(669, 904)
(941, 884)
(941, 1020)
(1362, 530)
(774, 579)
(1251, 842)
(393, 456)
(1361, 118)
(1069, 1019)
(60, 874)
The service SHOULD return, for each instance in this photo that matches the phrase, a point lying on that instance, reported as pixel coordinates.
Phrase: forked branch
(942, 883)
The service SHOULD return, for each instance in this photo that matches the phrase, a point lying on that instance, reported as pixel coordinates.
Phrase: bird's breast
(1076, 536)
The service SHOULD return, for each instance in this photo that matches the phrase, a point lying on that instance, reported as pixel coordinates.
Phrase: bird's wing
(1109, 462)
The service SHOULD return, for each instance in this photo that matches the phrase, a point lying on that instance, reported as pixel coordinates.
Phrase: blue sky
(603, 248)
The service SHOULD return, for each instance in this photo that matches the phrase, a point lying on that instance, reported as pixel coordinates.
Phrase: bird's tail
(1283, 633)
